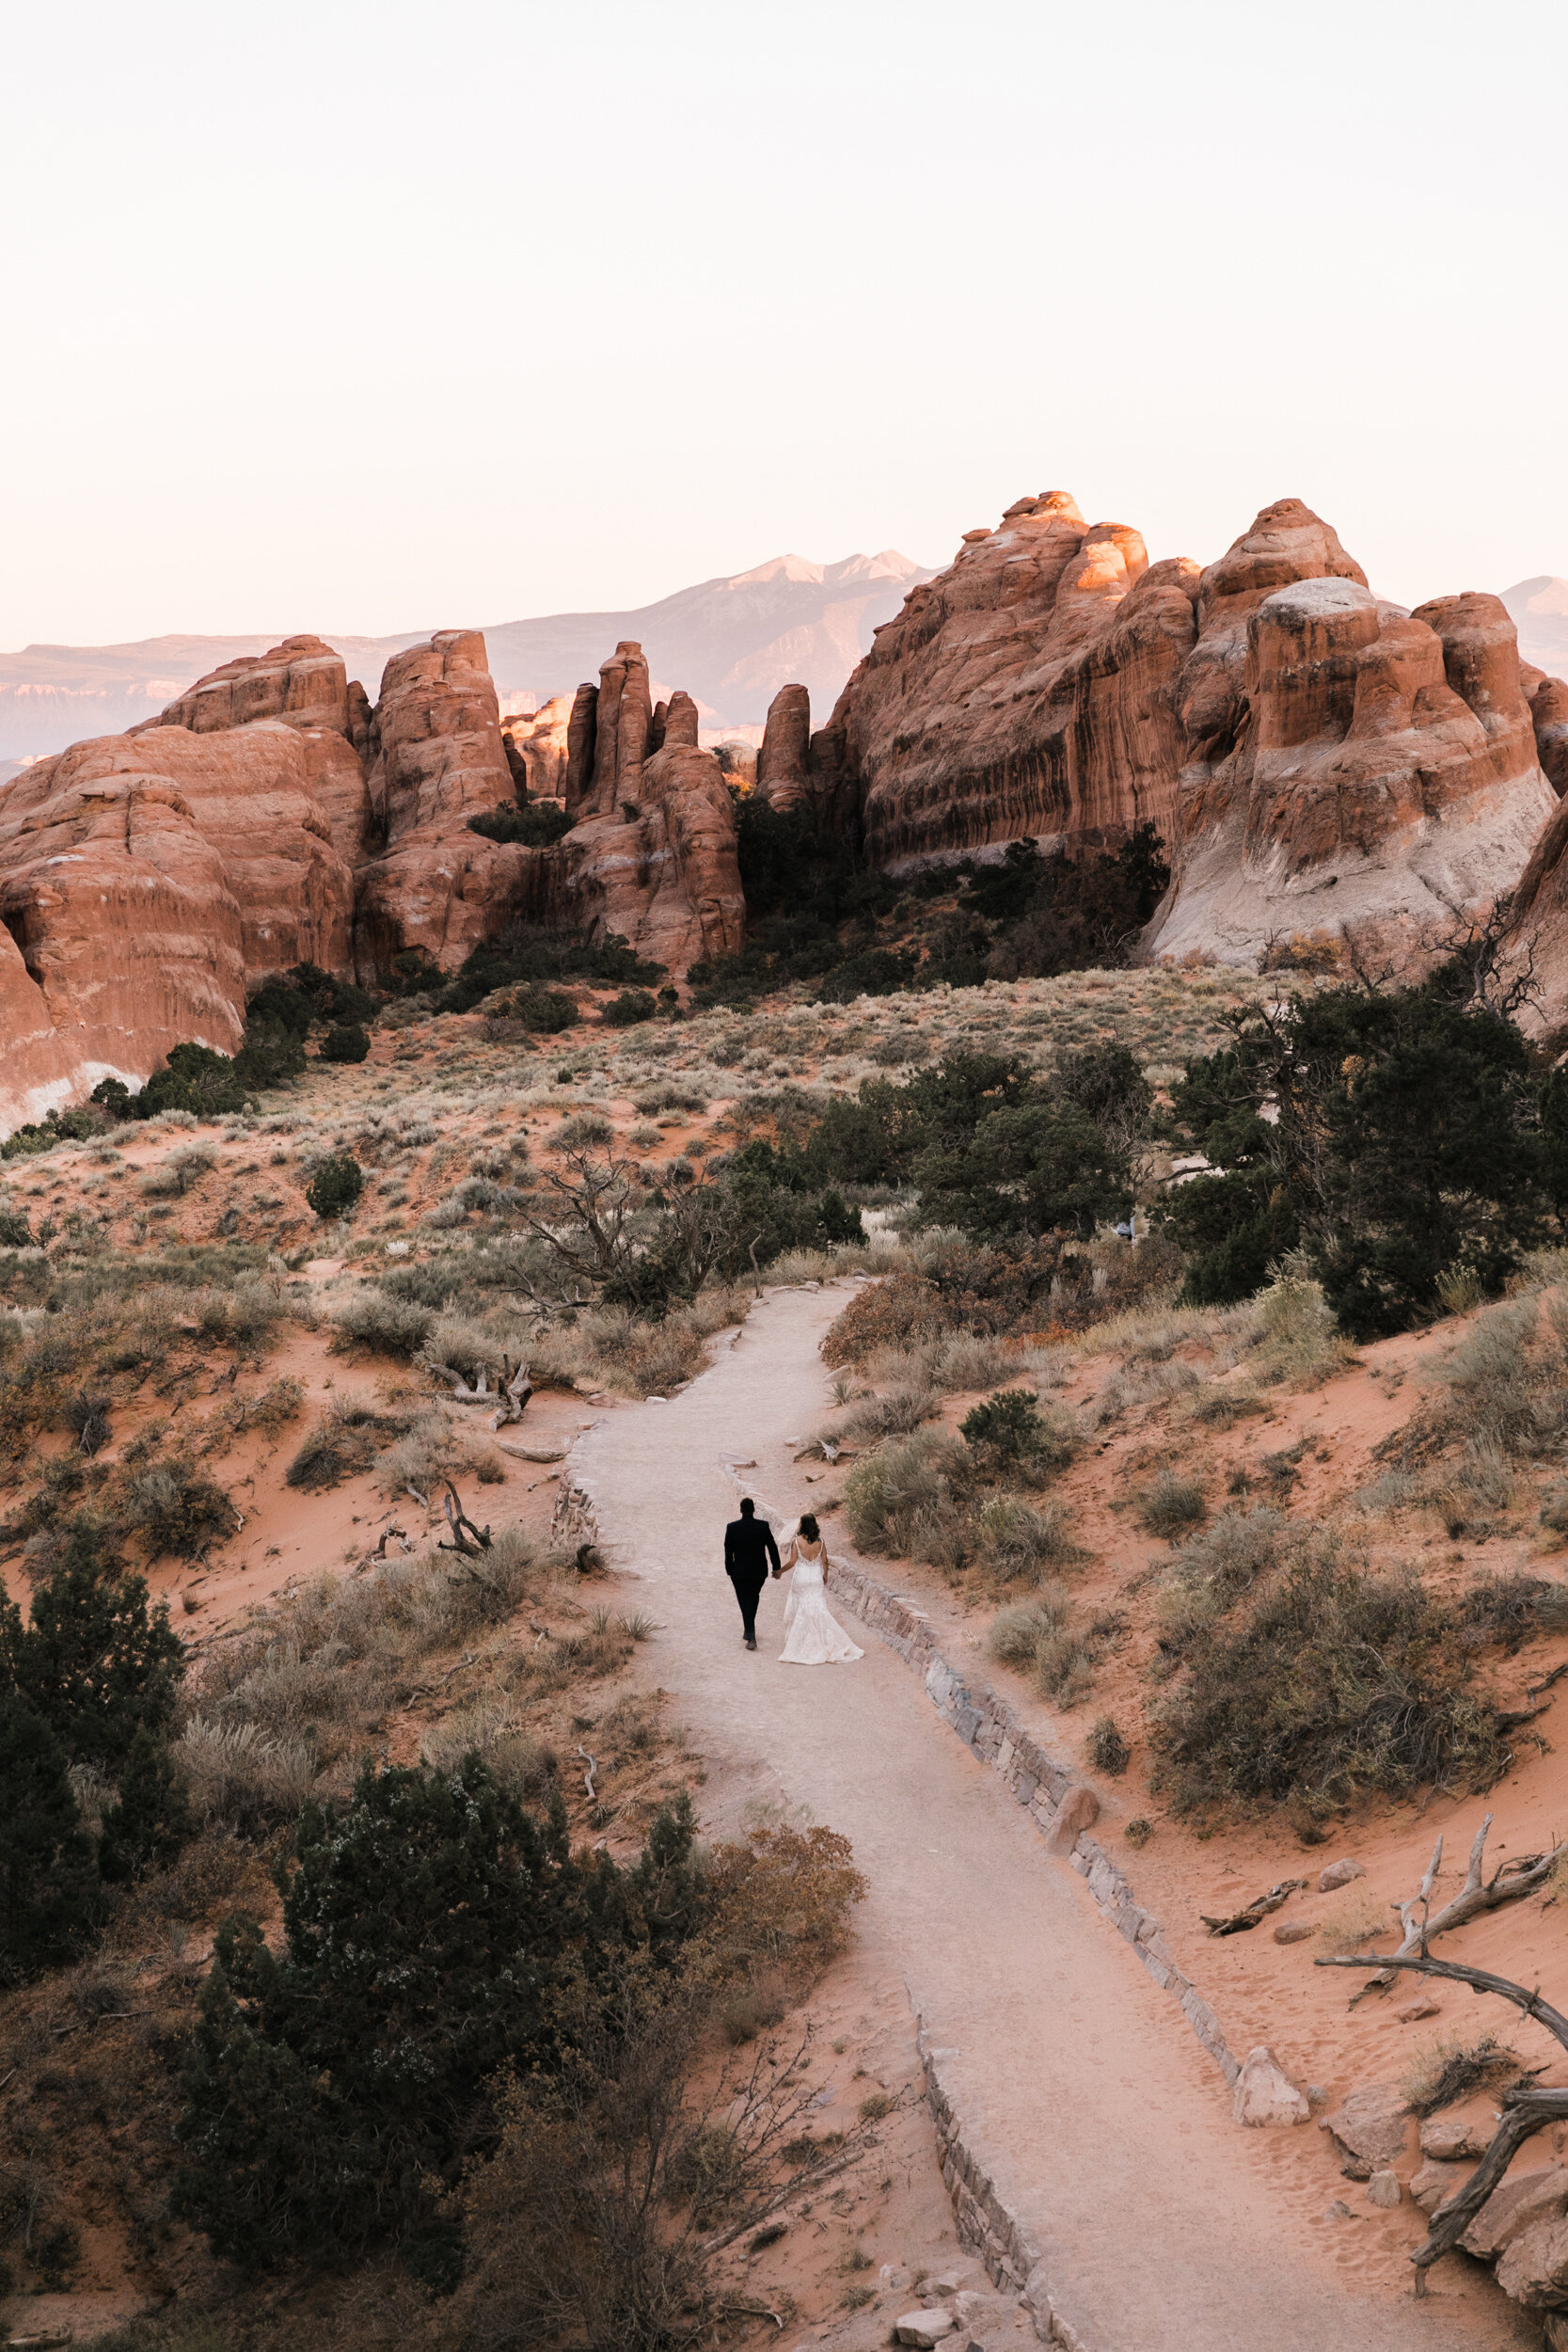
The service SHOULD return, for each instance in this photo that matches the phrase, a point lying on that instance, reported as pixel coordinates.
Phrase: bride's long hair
(807, 1527)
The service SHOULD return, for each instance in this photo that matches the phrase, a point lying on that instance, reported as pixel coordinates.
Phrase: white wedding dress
(813, 1635)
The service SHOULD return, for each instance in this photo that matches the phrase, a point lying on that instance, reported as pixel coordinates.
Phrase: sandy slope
(1096, 2112)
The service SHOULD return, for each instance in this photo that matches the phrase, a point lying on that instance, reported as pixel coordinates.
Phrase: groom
(749, 1547)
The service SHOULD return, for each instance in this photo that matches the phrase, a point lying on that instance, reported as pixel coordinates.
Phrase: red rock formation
(1359, 774)
(302, 682)
(784, 762)
(623, 720)
(439, 888)
(680, 723)
(659, 871)
(540, 749)
(1548, 710)
(1028, 689)
(122, 937)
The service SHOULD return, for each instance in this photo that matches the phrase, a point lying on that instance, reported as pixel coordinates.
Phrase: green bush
(632, 1006)
(195, 1078)
(535, 826)
(1007, 1429)
(347, 1042)
(336, 1184)
(430, 1933)
(47, 1880)
(1412, 1149)
(94, 1663)
(150, 1819)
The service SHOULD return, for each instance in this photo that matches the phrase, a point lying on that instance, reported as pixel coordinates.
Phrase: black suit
(749, 1551)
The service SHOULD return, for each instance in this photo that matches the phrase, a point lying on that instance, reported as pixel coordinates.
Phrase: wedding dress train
(813, 1635)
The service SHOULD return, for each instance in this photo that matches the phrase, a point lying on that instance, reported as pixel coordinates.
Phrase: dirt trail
(1104, 2125)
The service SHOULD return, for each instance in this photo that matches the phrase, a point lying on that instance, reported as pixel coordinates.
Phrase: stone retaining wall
(987, 2225)
(988, 1728)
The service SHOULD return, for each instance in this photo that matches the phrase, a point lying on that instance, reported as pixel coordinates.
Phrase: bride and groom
(813, 1636)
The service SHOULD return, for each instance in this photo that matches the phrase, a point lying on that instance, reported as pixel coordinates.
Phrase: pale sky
(378, 316)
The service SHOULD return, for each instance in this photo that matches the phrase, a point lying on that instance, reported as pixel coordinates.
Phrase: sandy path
(1105, 2127)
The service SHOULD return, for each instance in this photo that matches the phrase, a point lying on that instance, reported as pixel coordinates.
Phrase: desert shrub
(542, 1011)
(630, 1006)
(1011, 1539)
(974, 1361)
(1213, 1569)
(176, 1509)
(335, 1186)
(1171, 1505)
(1008, 1432)
(781, 1899)
(884, 1494)
(1448, 2069)
(1328, 1683)
(1108, 1751)
(432, 1928)
(530, 952)
(1042, 1637)
(491, 1729)
(895, 1414)
(47, 1880)
(430, 1449)
(346, 1041)
(373, 1317)
(175, 1176)
(245, 1777)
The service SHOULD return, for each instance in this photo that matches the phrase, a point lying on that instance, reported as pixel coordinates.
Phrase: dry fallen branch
(465, 1537)
(1526, 2110)
(1522, 1875)
(510, 1397)
(1239, 1921)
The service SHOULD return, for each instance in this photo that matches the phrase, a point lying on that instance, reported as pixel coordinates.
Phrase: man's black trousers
(748, 1592)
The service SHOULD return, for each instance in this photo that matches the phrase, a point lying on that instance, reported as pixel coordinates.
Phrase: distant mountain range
(731, 644)
(1539, 611)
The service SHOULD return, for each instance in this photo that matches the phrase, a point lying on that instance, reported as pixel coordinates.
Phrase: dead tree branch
(509, 1397)
(1524, 1874)
(465, 1537)
(1526, 2110)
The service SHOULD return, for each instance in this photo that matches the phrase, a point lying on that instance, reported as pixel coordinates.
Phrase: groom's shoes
(750, 1644)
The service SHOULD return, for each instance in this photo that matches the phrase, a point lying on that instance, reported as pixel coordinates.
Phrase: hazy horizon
(362, 320)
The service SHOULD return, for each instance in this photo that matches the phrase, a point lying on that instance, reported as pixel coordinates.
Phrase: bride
(813, 1636)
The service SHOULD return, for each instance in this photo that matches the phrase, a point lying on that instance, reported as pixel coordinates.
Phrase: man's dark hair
(747, 1506)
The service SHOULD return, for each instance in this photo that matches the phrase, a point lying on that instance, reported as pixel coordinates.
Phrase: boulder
(1340, 1875)
(1432, 2183)
(1372, 2127)
(1413, 2011)
(1079, 1810)
(1521, 2203)
(1297, 1931)
(1264, 2092)
(923, 2328)
(148, 883)
(1448, 2137)
(1532, 2268)
(1382, 2190)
